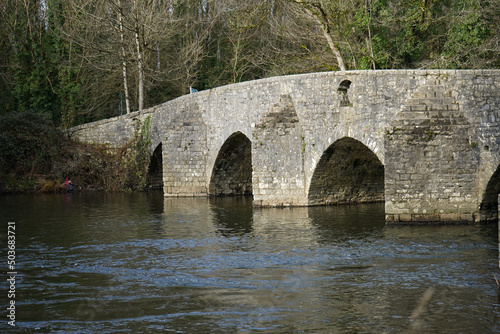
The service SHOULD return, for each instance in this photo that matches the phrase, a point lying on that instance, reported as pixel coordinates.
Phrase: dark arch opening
(342, 91)
(489, 204)
(155, 171)
(348, 172)
(232, 173)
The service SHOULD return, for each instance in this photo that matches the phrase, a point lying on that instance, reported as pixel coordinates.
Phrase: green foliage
(71, 96)
(33, 81)
(422, 34)
(430, 135)
(33, 64)
(29, 144)
(58, 69)
(35, 155)
(467, 33)
(136, 160)
(39, 76)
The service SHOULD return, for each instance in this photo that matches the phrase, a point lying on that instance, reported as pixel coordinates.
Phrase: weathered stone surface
(314, 138)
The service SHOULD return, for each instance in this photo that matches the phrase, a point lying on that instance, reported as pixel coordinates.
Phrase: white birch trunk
(139, 59)
(124, 59)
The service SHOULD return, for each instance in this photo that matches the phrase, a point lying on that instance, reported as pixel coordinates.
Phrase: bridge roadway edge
(435, 131)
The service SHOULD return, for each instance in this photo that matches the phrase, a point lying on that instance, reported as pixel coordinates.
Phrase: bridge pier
(278, 157)
(184, 149)
(431, 160)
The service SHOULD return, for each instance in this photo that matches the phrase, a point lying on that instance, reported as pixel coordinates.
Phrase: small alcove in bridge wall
(348, 172)
(155, 170)
(232, 172)
(343, 93)
(489, 204)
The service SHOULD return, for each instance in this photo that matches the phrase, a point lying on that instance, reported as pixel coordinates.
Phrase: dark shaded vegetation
(37, 156)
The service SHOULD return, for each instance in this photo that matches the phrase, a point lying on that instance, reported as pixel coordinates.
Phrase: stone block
(419, 107)
(426, 218)
(450, 217)
(467, 217)
(415, 101)
(405, 217)
(431, 101)
(438, 107)
(419, 95)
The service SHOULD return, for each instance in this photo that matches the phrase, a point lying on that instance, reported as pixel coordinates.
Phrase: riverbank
(35, 156)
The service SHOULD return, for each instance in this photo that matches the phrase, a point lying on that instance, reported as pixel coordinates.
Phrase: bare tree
(115, 33)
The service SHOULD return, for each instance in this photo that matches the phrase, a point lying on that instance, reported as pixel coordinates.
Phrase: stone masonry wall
(185, 151)
(113, 132)
(278, 149)
(433, 155)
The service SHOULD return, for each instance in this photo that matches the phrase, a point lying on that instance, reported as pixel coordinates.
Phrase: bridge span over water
(424, 141)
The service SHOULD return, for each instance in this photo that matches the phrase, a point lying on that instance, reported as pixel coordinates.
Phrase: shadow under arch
(489, 204)
(348, 172)
(155, 170)
(232, 172)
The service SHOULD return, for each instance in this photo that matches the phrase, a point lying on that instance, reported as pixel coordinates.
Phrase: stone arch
(359, 132)
(232, 171)
(489, 203)
(347, 172)
(155, 170)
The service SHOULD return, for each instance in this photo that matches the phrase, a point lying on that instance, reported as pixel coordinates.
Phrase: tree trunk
(369, 39)
(124, 58)
(140, 69)
(336, 52)
(328, 37)
(139, 58)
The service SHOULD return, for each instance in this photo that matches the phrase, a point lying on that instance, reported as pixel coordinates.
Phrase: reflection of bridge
(425, 141)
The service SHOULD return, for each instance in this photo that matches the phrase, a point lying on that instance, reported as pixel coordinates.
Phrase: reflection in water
(107, 263)
(229, 221)
(347, 222)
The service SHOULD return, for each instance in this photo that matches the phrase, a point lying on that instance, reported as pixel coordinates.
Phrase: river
(141, 263)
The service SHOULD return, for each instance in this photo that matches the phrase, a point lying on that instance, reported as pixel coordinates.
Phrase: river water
(141, 263)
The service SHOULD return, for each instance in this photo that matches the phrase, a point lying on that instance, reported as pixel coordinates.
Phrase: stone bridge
(424, 141)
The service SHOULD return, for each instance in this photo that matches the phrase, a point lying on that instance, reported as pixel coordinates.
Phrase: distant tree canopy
(75, 61)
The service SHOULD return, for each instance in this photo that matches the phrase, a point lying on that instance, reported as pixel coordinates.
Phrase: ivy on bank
(36, 156)
(136, 161)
